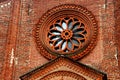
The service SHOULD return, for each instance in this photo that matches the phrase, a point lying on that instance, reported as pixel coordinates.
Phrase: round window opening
(67, 35)
(66, 30)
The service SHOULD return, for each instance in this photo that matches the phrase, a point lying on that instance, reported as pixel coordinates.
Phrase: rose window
(66, 30)
(67, 34)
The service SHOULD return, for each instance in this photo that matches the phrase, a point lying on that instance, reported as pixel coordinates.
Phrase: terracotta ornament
(66, 30)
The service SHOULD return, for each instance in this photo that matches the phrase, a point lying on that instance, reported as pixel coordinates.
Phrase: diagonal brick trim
(67, 64)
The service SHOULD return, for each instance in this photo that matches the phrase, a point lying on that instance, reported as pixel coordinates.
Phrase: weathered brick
(104, 57)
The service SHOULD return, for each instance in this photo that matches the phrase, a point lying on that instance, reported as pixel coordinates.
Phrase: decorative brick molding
(8, 66)
(67, 65)
(63, 75)
(69, 30)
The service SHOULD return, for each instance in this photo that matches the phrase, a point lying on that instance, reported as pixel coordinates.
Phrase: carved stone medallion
(66, 30)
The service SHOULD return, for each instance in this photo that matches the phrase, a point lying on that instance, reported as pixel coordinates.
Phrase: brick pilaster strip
(11, 41)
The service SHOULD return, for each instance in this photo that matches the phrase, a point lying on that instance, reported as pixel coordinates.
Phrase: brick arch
(62, 74)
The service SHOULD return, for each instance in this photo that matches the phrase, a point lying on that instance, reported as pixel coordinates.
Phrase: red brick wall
(117, 26)
(26, 56)
(5, 15)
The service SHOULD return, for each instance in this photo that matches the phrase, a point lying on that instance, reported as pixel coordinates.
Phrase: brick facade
(5, 19)
(18, 51)
(117, 26)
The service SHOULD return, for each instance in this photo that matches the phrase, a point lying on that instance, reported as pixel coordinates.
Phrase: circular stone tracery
(67, 35)
(68, 30)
